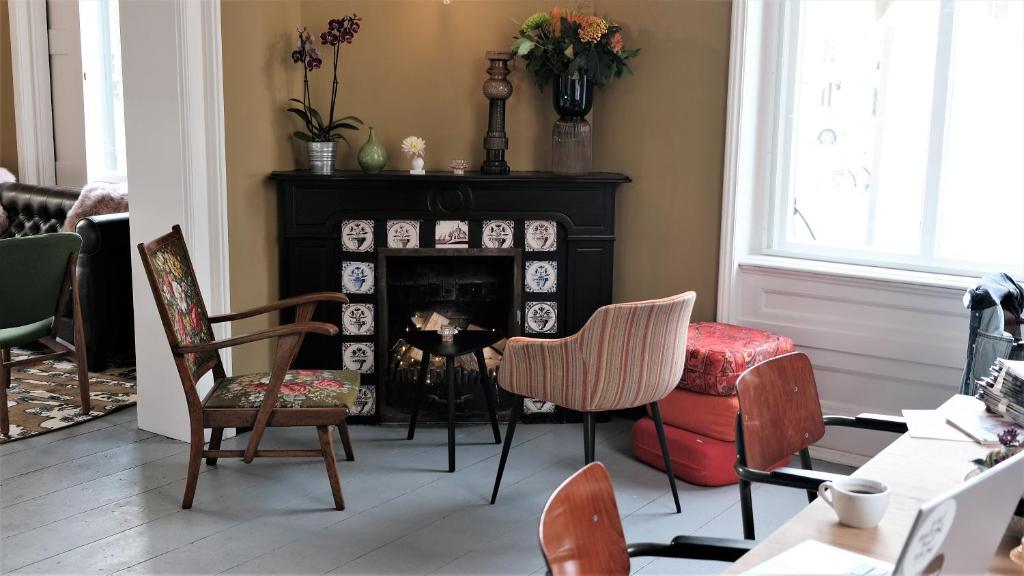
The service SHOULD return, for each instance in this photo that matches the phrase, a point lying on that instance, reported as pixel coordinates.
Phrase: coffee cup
(858, 502)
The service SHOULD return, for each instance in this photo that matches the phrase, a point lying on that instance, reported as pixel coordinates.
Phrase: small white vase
(417, 166)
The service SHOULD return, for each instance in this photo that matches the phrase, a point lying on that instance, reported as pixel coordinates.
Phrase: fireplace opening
(426, 288)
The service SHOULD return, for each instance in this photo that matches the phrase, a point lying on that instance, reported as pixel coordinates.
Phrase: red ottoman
(711, 416)
(696, 459)
(716, 355)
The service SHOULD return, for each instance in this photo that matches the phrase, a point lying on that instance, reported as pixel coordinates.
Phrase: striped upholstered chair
(627, 355)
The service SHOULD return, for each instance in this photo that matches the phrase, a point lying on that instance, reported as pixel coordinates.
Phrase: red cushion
(711, 416)
(716, 355)
(696, 459)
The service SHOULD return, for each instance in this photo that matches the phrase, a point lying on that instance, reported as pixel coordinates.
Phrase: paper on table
(932, 424)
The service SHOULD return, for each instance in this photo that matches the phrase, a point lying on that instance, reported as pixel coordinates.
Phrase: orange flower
(592, 28)
(616, 42)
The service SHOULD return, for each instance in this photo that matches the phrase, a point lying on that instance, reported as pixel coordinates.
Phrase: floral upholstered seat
(301, 389)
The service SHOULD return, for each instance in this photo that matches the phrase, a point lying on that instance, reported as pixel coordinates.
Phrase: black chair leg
(746, 506)
(656, 413)
(449, 376)
(805, 462)
(588, 437)
(489, 394)
(513, 417)
(421, 383)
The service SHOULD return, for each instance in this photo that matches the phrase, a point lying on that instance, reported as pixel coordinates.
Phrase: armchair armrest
(311, 298)
(549, 370)
(881, 422)
(694, 548)
(286, 330)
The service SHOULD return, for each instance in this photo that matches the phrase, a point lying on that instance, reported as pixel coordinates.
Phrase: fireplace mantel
(312, 210)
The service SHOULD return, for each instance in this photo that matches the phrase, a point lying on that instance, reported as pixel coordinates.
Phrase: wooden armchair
(282, 397)
(780, 415)
(581, 532)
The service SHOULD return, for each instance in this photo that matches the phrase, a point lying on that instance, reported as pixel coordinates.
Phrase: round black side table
(429, 342)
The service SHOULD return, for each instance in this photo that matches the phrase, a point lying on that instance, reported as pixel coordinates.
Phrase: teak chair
(581, 532)
(38, 277)
(282, 397)
(780, 414)
(626, 355)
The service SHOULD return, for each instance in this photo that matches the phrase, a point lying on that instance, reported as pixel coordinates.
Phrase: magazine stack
(1002, 390)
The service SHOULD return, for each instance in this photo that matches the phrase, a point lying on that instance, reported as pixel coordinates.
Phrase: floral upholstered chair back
(635, 353)
(178, 298)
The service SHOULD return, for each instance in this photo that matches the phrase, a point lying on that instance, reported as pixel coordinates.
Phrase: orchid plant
(339, 31)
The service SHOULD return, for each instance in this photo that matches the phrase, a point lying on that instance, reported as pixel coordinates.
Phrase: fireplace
(526, 253)
(425, 288)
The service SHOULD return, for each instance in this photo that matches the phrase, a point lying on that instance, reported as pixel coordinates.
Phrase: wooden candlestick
(497, 89)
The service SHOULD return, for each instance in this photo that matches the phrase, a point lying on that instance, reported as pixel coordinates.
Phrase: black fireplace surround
(531, 254)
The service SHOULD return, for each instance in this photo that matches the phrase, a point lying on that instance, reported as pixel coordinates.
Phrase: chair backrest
(779, 409)
(178, 299)
(35, 276)
(580, 528)
(635, 352)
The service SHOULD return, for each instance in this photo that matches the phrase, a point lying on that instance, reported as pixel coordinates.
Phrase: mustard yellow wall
(8, 136)
(417, 66)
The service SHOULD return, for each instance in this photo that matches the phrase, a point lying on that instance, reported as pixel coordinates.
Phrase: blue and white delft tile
(541, 317)
(541, 276)
(497, 233)
(541, 235)
(403, 234)
(534, 406)
(357, 277)
(357, 356)
(357, 319)
(451, 234)
(357, 235)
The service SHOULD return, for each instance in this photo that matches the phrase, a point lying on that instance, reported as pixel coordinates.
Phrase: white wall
(876, 345)
(174, 140)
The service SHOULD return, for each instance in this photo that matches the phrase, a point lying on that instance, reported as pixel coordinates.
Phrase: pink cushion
(717, 354)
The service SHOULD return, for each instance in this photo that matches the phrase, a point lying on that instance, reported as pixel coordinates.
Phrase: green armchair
(38, 275)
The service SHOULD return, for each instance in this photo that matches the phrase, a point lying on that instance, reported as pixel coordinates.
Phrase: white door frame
(30, 63)
(174, 129)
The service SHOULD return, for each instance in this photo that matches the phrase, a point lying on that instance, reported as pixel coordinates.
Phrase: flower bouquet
(576, 52)
(1011, 443)
(320, 134)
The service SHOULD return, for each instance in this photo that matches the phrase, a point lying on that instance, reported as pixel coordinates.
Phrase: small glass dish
(459, 167)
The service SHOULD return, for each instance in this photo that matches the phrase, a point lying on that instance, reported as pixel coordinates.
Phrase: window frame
(781, 32)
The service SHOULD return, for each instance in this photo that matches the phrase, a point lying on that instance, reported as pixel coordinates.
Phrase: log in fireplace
(525, 253)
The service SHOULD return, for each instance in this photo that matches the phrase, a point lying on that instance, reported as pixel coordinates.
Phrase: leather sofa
(104, 268)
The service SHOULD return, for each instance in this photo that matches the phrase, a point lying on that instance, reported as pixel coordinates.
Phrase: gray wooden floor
(103, 497)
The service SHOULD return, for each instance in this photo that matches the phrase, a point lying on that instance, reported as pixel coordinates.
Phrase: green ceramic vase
(372, 156)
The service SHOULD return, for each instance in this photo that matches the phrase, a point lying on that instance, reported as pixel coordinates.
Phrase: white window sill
(869, 274)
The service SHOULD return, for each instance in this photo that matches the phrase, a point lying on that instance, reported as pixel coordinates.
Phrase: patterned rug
(44, 397)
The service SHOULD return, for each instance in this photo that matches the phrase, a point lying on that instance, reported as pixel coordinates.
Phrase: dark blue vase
(573, 97)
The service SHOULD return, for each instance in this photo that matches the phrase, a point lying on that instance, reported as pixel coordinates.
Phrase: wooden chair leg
(195, 458)
(80, 355)
(327, 447)
(805, 463)
(746, 506)
(589, 433)
(215, 437)
(421, 383)
(517, 409)
(5, 383)
(656, 413)
(346, 442)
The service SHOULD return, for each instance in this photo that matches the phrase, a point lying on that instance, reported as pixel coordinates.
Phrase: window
(900, 134)
(101, 90)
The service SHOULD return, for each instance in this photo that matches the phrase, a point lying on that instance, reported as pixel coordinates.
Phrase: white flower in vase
(415, 147)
